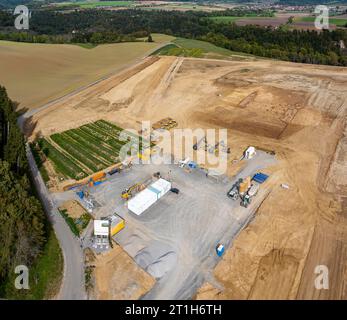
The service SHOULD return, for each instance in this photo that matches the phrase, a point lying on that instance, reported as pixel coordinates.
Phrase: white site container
(101, 228)
(161, 187)
(142, 201)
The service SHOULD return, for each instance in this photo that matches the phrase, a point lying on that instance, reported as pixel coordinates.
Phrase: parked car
(175, 190)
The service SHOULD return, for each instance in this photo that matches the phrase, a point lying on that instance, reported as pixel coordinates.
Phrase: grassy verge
(44, 276)
(174, 50)
(39, 163)
(193, 48)
(76, 225)
(70, 222)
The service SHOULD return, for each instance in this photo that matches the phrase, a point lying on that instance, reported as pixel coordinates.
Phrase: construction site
(171, 218)
(181, 231)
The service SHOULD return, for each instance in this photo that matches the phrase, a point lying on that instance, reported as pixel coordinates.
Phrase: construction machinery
(214, 149)
(244, 189)
(128, 193)
(197, 145)
(233, 193)
(224, 147)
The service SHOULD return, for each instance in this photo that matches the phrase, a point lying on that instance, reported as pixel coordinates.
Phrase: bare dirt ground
(48, 71)
(117, 277)
(74, 209)
(299, 111)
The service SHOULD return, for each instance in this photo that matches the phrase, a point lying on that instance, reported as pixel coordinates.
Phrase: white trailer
(144, 199)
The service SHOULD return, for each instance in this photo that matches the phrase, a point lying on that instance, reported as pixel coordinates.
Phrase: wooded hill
(104, 26)
(22, 220)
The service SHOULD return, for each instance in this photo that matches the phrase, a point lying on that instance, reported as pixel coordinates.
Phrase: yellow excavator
(127, 193)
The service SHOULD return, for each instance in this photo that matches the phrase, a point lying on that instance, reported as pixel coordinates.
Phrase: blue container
(80, 194)
(220, 250)
(96, 183)
(192, 165)
(260, 177)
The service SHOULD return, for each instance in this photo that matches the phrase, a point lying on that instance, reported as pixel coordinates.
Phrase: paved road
(73, 281)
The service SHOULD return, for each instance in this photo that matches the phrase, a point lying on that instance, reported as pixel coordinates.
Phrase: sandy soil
(117, 277)
(34, 74)
(299, 111)
(74, 209)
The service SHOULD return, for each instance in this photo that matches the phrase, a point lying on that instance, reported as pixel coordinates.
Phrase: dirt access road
(297, 110)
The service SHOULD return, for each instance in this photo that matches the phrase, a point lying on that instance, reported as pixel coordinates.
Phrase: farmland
(195, 48)
(340, 22)
(49, 71)
(230, 19)
(79, 152)
(96, 4)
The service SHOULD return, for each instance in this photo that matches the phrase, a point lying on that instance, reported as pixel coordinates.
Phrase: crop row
(78, 152)
(94, 147)
(112, 131)
(103, 137)
(62, 163)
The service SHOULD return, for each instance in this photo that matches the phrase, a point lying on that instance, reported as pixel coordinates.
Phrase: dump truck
(233, 193)
(246, 198)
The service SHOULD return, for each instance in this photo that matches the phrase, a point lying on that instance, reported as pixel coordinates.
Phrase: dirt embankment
(117, 277)
(296, 110)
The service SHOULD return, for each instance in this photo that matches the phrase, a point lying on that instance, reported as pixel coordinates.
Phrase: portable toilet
(250, 152)
(220, 250)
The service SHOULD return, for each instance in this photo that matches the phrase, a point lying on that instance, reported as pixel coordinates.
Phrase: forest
(103, 26)
(22, 220)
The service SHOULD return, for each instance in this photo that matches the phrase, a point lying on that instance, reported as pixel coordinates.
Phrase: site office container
(144, 199)
(117, 224)
(161, 186)
(98, 176)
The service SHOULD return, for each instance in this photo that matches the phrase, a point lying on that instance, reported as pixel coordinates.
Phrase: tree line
(105, 26)
(22, 219)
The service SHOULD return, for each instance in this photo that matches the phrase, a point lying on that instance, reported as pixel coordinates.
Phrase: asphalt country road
(73, 280)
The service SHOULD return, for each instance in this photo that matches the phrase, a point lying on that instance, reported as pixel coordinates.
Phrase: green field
(229, 19)
(174, 50)
(196, 48)
(336, 21)
(96, 4)
(80, 152)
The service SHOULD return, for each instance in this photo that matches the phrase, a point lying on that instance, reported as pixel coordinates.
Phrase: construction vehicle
(197, 145)
(245, 201)
(183, 163)
(245, 190)
(246, 198)
(233, 193)
(157, 175)
(224, 147)
(127, 193)
(213, 149)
